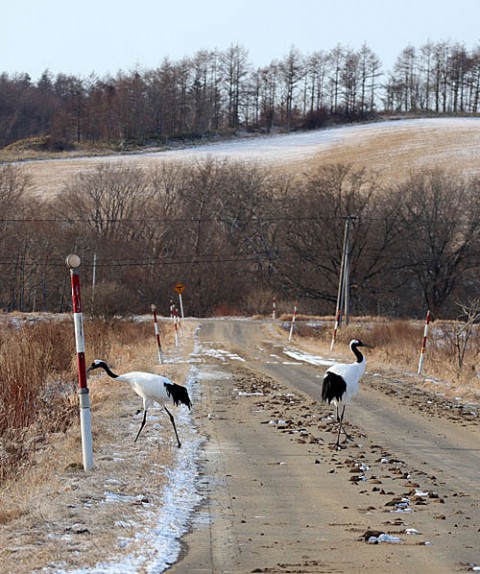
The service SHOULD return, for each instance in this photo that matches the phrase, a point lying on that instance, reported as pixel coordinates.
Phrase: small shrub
(258, 302)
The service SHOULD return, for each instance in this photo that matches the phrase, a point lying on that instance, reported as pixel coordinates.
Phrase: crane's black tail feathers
(333, 388)
(178, 394)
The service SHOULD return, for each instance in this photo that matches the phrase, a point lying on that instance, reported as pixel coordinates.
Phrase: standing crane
(152, 388)
(341, 383)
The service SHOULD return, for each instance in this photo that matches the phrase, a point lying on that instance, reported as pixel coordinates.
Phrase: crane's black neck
(107, 369)
(356, 352)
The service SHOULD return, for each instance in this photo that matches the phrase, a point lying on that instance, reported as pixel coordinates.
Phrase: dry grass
(36, 384)
(45, 508)
(397, 151)
(38, 378)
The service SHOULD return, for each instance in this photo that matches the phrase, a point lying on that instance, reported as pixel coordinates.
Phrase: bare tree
(336, 58)
(441, 213)
(313, 241)
(350, 78)
(464, 328)
(235, 68)
(369, 68)
(107, 200)
(292, 70)
(408, 78)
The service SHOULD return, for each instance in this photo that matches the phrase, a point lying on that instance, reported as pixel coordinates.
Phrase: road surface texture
(402, 496)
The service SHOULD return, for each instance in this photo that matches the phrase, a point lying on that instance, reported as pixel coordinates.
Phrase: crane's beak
(368, 346)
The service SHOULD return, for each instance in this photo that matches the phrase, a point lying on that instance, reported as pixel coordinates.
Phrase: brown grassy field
(394, 148)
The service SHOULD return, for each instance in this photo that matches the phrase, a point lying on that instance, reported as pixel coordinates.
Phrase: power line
(231, 219)
(204, 259)
(139, 262)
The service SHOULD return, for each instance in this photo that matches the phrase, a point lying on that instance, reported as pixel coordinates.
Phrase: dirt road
(402, 497)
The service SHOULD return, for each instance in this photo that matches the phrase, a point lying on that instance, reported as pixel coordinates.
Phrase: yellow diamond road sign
(179, 288)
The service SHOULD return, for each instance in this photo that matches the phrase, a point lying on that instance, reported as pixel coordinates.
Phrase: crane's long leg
(339, 420)
(144, 420)
(341, 427)
(174, 427)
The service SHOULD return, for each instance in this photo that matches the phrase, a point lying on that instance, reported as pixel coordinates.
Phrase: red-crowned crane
(152, 388)
(340, 383)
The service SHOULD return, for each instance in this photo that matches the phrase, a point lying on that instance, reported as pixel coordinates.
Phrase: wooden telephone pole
(343, 294)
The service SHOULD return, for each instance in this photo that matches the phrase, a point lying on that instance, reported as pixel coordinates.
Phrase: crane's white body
(152, 388)
(149, 386)
(351, 373)
(341, 383)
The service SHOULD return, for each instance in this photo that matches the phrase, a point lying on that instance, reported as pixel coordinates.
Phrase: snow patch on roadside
(220, 354)
(160, 545)
(308, 358)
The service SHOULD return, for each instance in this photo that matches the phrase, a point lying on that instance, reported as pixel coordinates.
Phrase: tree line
(220, 92)
(237, 235)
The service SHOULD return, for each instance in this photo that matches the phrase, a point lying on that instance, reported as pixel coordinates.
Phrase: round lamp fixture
(73, 261)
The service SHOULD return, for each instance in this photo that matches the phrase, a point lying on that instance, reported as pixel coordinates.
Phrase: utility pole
(343, 295)
(346, 271)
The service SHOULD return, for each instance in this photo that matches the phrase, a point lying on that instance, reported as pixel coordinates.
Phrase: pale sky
(105, 36)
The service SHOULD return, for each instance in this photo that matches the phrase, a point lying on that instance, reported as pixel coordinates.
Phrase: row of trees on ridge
(221, 92)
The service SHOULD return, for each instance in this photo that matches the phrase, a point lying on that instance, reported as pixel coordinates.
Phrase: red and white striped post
(157, 333)
(274, 309)
(293, 323)
(424, 344)
(335, 329)
(175, 325)
(73, 263)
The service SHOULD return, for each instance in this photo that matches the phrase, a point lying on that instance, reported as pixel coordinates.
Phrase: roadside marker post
(175, 325)
(73, 263)
(424, 344)
(180, 288)
(274, 308)
(335, 329)
(293, 323)
(157, 333)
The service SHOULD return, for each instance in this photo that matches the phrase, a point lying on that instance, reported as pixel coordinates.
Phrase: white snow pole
(424, 344)
(292, 323)
(180, 288)
(157, 333)
(94, 277)
(182, 315)
(73, 262)
(274, 308)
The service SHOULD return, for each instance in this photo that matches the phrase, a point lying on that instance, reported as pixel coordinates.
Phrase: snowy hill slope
(393, 147)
